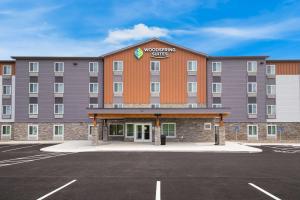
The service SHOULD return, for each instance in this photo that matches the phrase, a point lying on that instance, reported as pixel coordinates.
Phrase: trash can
(163, 140)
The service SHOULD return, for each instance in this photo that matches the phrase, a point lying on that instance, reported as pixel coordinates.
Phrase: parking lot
(27, 173)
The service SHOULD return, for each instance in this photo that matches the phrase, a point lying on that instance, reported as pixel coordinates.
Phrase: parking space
(99, 175)
(285, 149)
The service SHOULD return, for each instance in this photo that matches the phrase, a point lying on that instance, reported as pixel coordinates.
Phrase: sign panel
(154, 52)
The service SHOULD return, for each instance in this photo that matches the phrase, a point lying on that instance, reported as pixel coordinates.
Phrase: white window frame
(63, 130)
(194, 66)
(272, 69)
(63, 88)
(5, 86)
(156, 69)
(10, 70)
(193, 87)
(37, 109)
(7, 106)
(94, 92)
(60, 64)
(37, 130)
(37, 84)
(126, 136)
(95, 67)
(168, 134)
(118, 105)
(248, 131)
(63, 108)
(252, 84)
(207, 128)
(90, 130)
(253, 66)
(9, 130)
(116, 124)
(37, 67)
(216, 105)
(272, 88)
(192, 105)
(272, 109)
(155, 105)
(216, 65)
(252, 104)
(93, 105)
(120, 66)
(120, 85)
(218, 85)
(156, 87)
(271, 125)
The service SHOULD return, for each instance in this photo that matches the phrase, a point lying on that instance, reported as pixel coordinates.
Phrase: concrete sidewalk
(86, 146)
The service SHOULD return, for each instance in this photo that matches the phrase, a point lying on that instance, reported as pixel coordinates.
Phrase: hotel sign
(155, 52)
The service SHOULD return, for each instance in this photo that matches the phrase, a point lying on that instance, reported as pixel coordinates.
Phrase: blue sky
(94, 27)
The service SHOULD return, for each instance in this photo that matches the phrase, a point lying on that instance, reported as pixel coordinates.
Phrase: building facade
(148, 89)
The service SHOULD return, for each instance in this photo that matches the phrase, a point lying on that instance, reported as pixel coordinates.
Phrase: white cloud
(138, 32)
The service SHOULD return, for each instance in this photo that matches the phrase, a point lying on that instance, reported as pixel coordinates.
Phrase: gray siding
(234, 78)
(76, 90)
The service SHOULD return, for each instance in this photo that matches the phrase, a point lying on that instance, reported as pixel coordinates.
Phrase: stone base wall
(286, 132)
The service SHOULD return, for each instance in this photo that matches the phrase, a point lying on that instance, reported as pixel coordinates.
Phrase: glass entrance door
(142, 133)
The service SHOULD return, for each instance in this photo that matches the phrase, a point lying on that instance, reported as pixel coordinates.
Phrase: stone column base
(222, 135)
(95, 135)
(157, 135)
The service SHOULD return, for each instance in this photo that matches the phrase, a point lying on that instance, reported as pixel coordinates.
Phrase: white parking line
(20, 148)
(264, 191)
(4, 146)
(157, 194)
(56, 190)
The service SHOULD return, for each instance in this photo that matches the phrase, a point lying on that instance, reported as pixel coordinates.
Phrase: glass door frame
(143, 132)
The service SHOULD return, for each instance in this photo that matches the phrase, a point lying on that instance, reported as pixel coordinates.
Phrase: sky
(95, 27)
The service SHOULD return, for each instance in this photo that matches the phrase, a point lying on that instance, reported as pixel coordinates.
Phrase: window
(93, 87)
(118, 105)
(116, 130)
(192, 66)
(6, 110)
(33, 67)
(271, 89)
(33, 87)
(118, 66)
(6, 90)
(6, 130)
(271, 110)
(155, 105)
(270, 69)
(58, 109)
(154, 66)
(192, 105)
(216, 66)
(58, 130)
(58, 67)
(33, 109)
(252, 130)
(252, 66)
(192, 87)
(169, 129)
(93, 105)
(129, 130)
(272, 130)
(6, 69)
(155, 87)
(252, 87)
(217, 105)
(33, 130)
(207, 126)
(118, 87)
(90, 129)
(252, 109)
(216, 87)
(58, 87)
(93, 67)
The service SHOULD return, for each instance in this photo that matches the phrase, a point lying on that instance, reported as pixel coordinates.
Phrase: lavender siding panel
(234, 89)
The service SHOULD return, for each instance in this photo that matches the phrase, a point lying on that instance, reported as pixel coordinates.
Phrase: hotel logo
(138, 53)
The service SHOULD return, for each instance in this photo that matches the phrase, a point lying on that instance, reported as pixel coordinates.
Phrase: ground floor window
(207, 126)
(252, 130)
(272, 130)
(129, 130)
(6, 130)
(33, 130)
(116, 130)
(90, 129)
(169, 129)
(58, 130)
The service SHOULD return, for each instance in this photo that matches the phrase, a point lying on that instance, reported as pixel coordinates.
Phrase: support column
(105, 131)
(95, 132)
(221, 131)
(157, 131)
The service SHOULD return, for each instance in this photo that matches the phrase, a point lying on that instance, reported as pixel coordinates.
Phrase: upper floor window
(192, 65)
(118, 65)
(58, 67)
(93, 105)
(33, 109)
(155, 66)
(216, 66)
(251, 66)
(118, 105)
(216, 87)
(33, 87)
(58, 109)
(192, 105)
(271, 110)
(93, 88)
(192, 87)
(58, 87)
(252, 109)
(6, 110)
(155, 87)
(33, 67)
(118, 87)
(93, 67)
(271, 89)
(6, 90)
(7, 70)
(155, 105)
(217, 105)
(270, 69)
(252, 87)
